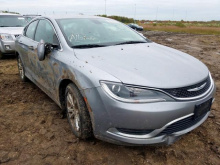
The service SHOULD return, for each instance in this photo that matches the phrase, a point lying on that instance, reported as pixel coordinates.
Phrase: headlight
(6, 37)
(133, 95)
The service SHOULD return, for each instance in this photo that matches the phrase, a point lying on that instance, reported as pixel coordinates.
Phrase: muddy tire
(1, 55)
(21, 70)
(77, 113)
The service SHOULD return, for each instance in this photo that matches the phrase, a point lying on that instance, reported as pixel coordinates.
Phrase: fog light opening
(7, 47)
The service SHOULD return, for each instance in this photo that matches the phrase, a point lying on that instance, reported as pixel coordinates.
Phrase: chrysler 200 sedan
(112, 82)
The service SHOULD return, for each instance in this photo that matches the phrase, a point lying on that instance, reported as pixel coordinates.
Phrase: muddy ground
(32, 132)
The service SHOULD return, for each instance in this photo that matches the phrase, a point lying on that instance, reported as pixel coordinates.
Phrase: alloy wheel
(73, 112)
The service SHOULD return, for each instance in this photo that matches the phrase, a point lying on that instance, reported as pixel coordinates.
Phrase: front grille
(16, 35)
(175, 127)
(181, 125)
(184, 93)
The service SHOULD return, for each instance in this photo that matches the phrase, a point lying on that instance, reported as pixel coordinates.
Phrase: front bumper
(163, 139)
(7, 47)
(108, 114)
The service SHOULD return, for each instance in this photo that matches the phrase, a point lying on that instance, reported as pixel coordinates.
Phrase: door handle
(20, 41)
(31, 47)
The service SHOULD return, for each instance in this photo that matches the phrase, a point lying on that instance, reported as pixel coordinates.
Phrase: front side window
(12, 21)
(31, 30)
(46, 32)
(91, 31)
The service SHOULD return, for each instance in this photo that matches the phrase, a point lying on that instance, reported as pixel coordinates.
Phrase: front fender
(82, 74)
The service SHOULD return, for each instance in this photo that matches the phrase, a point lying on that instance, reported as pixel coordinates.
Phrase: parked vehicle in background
(136, 27)
(29, 17)
(114, 83)
(11, 26)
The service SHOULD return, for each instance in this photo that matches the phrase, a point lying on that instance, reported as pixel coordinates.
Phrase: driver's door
(44, 70)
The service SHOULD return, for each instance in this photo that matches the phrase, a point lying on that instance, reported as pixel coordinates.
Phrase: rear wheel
(21, 70)
(77, 113)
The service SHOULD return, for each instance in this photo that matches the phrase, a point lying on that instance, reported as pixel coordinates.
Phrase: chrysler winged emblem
(197, 88)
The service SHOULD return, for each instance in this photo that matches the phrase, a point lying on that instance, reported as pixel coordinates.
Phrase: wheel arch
(16, 54)
(62, 88)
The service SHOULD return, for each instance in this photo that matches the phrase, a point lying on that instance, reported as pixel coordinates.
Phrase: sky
(190, 10)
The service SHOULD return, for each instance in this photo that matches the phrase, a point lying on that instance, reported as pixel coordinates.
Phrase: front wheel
(77, 113)
(21, 70)
(1, 55)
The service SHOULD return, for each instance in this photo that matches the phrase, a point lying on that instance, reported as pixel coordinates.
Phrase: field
(32, 131)
(192, 27)
(210, 28)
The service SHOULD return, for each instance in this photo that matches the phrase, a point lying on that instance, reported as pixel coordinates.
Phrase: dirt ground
(32, 132)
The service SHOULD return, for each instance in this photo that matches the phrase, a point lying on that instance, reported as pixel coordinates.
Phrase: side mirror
(41, 50)
(44, 48)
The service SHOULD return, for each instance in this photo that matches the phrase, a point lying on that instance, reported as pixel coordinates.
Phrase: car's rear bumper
(108, 115)
(7, 47)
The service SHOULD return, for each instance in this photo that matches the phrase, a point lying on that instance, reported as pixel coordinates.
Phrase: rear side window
(31, 30)
(46, 32)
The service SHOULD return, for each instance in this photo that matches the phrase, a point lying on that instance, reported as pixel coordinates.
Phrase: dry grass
(187, 29)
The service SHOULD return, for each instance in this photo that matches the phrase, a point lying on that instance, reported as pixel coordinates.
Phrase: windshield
(97, 32)
(12, 21)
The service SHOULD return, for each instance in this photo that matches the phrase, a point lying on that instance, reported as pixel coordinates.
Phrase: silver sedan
(112, 82)
(11, 26)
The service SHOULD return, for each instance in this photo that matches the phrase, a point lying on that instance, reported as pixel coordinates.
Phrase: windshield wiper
(88, 46)
(130, 42)
(4, 26)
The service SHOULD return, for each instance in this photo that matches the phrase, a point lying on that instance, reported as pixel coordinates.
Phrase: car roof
(10, 14)
(27, 15)
(71, 16)
(54, 18)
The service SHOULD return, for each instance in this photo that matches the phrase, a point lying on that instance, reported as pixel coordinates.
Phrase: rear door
(26, 47)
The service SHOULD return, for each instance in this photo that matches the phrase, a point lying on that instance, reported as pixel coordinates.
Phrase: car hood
(11, 30)
(147, 64)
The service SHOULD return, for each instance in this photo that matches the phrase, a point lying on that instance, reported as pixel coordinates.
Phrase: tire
(77, 113)
(21, 70)
(1, 55)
